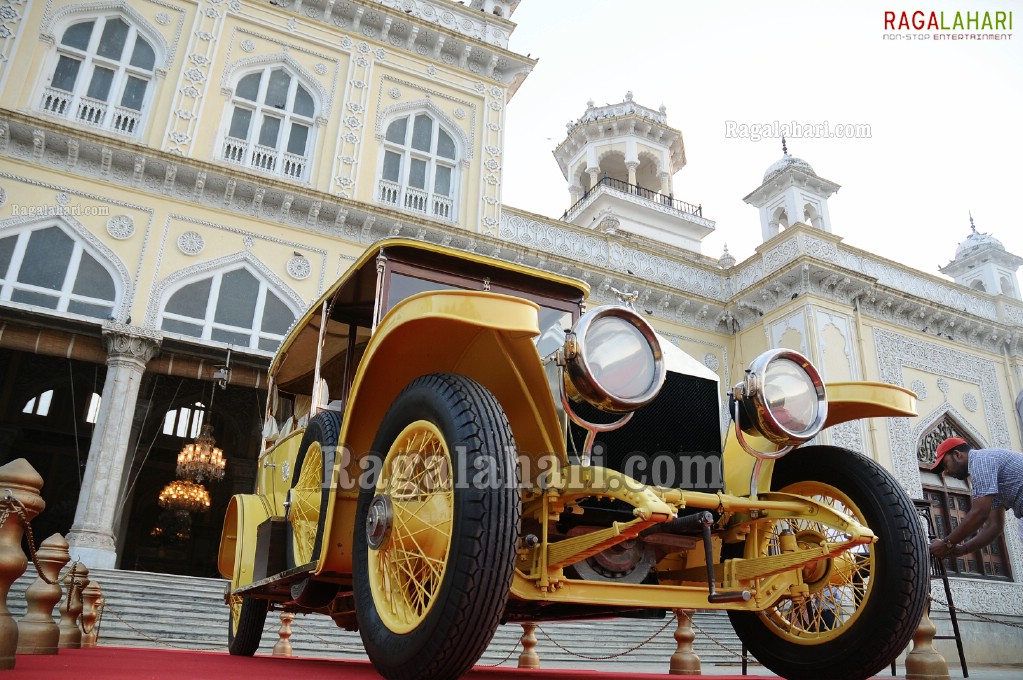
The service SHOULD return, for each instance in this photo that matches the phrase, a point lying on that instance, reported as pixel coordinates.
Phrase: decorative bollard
(77, 578)
(529, 658)
(283, 646)
(91, 596)
(924, 662)
(38, 633)
(19, 503)
(684, 661)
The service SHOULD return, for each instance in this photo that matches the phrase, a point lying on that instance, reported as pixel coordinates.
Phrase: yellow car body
(409, 309)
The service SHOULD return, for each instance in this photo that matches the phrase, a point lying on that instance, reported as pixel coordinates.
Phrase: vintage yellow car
(453, 442)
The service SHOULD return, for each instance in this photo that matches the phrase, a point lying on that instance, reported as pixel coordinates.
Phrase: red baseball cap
(943, 448)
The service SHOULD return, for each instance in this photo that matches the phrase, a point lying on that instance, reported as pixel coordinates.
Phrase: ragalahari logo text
(943, 25)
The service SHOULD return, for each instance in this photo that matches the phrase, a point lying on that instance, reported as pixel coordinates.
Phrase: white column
(91, 538)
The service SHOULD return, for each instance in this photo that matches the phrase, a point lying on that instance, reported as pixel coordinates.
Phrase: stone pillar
(631, 167)
(91, 539)
(24, 484)
(665, 183)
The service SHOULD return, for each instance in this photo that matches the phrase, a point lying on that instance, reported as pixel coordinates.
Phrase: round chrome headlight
(783, 398)
(613, 360)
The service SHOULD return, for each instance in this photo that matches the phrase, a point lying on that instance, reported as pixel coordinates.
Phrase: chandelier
(184, 495)
(201, 459)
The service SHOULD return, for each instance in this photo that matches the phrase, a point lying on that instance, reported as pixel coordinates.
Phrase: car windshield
(553, 321)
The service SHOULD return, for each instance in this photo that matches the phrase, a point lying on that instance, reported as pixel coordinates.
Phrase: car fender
(485, 336)
(846, 401)
(237, 557)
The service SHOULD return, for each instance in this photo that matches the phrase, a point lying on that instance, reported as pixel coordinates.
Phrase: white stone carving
(711, 361)
(121, 227)
(299, 267)
(248, 46)
(920, 389)
(191, 243)
(970, 401)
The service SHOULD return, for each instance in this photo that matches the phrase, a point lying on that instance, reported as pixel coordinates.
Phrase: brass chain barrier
(609, 656)
(10, 503)
(982, 617)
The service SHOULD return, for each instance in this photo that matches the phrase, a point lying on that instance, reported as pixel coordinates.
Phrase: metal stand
(923, 507)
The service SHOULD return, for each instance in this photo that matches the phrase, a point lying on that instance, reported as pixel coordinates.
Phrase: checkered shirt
(998, 473)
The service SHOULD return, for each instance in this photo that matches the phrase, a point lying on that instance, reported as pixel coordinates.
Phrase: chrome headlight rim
(751, 393)
(580, 379)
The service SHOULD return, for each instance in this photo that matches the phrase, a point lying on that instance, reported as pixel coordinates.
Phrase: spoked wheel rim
(236, 612)
(410, 526)
(839, 586)
(304, 512)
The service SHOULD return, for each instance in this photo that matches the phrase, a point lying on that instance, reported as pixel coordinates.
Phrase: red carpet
(132, 663)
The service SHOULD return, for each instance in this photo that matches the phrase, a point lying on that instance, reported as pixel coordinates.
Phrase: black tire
(324, 430)
(445, 620)
(245, 625)
(854, 630)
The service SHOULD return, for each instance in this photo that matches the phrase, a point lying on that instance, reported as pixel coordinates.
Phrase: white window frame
(9, 282)
(276, 161)
(208, 322)
(405, 197)
(76, 106)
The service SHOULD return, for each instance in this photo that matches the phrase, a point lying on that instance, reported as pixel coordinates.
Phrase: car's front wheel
(245, 625)
(436, 530)
(864, 604)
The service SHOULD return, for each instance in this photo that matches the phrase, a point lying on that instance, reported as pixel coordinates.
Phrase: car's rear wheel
(307, 500)
(863, 604)
(436, 530)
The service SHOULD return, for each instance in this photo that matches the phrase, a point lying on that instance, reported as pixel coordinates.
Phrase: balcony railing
(264, 158)
(91, 111)
(415, 200)
(654, 196)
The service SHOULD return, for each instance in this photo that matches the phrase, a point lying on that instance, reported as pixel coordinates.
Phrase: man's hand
(941, 549)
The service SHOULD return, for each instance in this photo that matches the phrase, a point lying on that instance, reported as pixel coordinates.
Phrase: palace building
(179, 179)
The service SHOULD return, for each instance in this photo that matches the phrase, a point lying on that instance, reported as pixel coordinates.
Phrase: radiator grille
(675, 441)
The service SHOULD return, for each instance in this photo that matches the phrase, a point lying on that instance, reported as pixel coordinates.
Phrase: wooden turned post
(684, 661)
(38, 633)
(91, 595)
(924, 662)
(70, 634)
(529, 658)
(283, 646)
(22, 484)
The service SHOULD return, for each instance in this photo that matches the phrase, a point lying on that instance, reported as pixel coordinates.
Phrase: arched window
(185, 421)
(978, 285)
(102, 74)
(950, 500)
(45, 267)
(40, 405)
(419, 166)
(92, 412)
(270, 124)
(233, 306)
